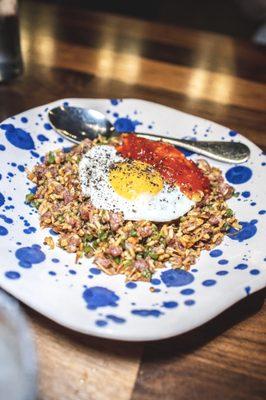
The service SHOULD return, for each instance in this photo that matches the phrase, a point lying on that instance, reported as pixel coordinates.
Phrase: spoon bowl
(77, 124)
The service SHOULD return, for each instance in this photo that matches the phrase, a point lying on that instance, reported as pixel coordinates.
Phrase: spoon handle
(230, 152)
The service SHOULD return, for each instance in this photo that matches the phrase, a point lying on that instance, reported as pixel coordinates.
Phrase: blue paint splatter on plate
(3, 231)
(48, 127)
(30, 255)
(12, 275)
(126, 125)
(216, 253)
(254, 271)
(170, 304)
(187, 292)
(42, 138)
(2, 199)
(98, 296)
(209, 282)
(18, 137)
(147, 313)
(247, 231)
(189, 302)
(176, 277)
(238, 175)
(241, 266)
(131, 285)
(101, 322)
(95, 271)
(114, 318)
(246, 194)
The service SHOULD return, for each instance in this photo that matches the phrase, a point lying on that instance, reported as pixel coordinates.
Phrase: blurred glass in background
(10, 52)
(18, 368)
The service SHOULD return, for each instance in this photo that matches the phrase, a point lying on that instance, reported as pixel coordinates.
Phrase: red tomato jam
(169, 161)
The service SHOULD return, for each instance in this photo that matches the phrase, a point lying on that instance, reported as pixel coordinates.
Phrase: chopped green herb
(51, 158)
(236, 194)
(61, 218)
(134, 233)
(229, 212)
(88, 238)
(117, 260)
(29, 197)
(127, 263)
(36, 203)
(103, 235)
(154, 256)
(146, 274)
(226, 227)
(88, 249)
(146, 253)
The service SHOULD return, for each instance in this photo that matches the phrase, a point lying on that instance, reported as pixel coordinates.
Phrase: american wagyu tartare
(133, 204)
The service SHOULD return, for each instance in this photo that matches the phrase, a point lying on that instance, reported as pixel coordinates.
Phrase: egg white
(167, 205)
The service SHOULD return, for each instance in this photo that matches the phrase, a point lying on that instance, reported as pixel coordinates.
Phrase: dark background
(238, 18)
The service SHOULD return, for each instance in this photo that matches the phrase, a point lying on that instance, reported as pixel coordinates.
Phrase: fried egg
(132, 187)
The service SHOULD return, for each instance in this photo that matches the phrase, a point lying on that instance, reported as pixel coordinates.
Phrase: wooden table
(70, 52)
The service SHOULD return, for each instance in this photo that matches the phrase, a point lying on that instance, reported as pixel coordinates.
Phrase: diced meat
(144, 231)
(116, 220)
(85, 211)
(214, 221)
(141, 265)
(73, 242)
(226, 190)
(59, 188)
(102, 262)
(39, 171)
(67, 196)
(115, 251)
(84, 146)
(47, 215)
(53, 171)
(177, 261)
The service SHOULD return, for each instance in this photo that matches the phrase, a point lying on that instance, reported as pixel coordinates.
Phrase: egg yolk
(131, 179)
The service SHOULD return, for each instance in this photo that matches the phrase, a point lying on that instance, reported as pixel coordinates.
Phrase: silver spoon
(77, 124)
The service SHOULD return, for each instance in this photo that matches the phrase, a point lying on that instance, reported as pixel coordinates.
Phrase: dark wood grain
(223, 359)
(70, 52)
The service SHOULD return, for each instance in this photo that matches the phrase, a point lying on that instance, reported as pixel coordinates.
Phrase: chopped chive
(226, 227)
(146, 253)
(229, 212)
(51, 158)
(154, 256)
(88, 238)
(146, 274)
(236, 194)
(134, 233)
(88, 249)
(29, 197)
(117, 260)
(127, 263)
(36, 203)
(103, 235)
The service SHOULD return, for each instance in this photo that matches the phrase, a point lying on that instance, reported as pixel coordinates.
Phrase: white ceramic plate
(81, 298)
